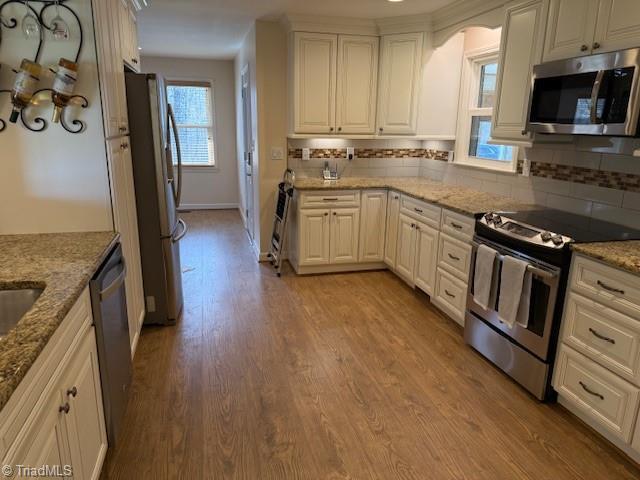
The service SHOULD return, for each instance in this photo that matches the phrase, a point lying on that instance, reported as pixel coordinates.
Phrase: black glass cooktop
(581, 229)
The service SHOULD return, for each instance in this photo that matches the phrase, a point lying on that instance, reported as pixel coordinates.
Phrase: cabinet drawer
(450, 295)
(598, 393)
(329, 199)
(454, 256)
(609, 286)
(421, 211)
(458, 225)
(608, 337)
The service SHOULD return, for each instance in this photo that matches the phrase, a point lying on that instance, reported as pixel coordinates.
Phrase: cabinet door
(119, 35)
(314, 82)
(357, 84)
(393, 217)
(85, 419)
(570, 29)
(46, 440)
(134, 52)
(345, 226)
(400, 71)
(125, 219)
(426, 257)
(618, 25)
(314, 237)
(636, 438)
(372, 225)
(521, 48)
(406, 248)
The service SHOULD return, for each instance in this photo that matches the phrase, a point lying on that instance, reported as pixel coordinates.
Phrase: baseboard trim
(350, 267)
(208, 206)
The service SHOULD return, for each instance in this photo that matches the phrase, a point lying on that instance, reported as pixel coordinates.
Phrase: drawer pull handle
(417, 209)
(64, 408)
(453, 257)
(591, 392)
(449, 293)
(602, 337)
(330, 199)
(72, 391)
(457, 226)
(611, 289)
(397, 197)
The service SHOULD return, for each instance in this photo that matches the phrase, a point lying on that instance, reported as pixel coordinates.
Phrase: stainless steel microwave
(592, 95)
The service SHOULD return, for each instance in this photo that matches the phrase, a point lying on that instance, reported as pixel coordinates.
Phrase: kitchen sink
(14, 304)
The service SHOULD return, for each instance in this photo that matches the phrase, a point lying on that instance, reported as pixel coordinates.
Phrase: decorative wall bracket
(45, 20)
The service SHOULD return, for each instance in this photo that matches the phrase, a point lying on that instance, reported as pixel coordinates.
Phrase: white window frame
(190, 82)
(467, 108)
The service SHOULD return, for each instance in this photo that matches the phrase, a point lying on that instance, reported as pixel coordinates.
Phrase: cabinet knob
(64, 408)
(124, 146)
(413, 225)
(596, 45)
(326, 214)
(134, 61)
(334, 213)
(524, 132)
(339, 129)
(381, 129)
(122, 129)
(331, 129)
(584, 48)
(73, 391)
(396, 197)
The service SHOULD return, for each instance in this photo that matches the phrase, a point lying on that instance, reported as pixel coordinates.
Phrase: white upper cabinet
(400, 72)
(521, 48)
(129, 35)
(618, 25)
(314, 82)
(570, 28)
(583, 27)
(357, 84)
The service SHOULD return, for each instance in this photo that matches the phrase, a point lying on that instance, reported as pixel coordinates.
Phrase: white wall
(206, 187)
(53, 180)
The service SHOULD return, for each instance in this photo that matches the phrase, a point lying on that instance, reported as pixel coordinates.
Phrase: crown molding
(463, 10)
(327, 24)
(405, 24)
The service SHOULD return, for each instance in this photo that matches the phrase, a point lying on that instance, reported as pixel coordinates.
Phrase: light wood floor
(350, 376)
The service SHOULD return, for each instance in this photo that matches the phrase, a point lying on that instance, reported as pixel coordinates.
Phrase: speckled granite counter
(460, 199)
(62, 264)
(624, 255)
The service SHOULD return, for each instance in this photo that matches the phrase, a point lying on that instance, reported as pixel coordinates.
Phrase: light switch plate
(277, 153)
(306, 153)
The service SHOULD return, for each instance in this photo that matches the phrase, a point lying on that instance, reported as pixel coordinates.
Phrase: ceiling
(216, 28)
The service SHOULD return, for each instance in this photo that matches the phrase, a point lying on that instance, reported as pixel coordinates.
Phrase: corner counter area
(50, 392)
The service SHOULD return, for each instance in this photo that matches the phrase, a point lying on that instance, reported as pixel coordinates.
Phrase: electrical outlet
(306, 153)
(277, 153)
(350, 153)
(526, 167)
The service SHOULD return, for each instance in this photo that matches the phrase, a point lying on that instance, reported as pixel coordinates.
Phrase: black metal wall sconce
(40, 23)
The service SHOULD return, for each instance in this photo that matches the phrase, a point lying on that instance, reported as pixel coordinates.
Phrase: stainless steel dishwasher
(109, 305)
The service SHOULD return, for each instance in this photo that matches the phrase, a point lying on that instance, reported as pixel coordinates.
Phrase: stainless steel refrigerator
(158, 189)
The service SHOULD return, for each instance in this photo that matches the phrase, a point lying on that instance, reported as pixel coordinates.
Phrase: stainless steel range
(542, 239)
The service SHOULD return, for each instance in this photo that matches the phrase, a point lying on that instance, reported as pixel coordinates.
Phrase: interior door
(406, 253)
(248, 152)
(345, 224)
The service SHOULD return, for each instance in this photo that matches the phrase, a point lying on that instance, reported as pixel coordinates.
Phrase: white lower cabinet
(406, 250)
(314, 237)
(391, 233)
(56, 417)
(426, 257)
(450, 295)
(344, 227)
(372, 225)
(597, 370)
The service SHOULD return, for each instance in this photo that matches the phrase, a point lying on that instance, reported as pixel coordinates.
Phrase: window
(192, 104)
(477, 99)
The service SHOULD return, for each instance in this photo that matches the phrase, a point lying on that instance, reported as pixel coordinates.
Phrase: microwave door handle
(595, 92)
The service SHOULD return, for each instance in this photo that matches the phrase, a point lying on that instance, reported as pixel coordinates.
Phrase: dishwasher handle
(116, 284)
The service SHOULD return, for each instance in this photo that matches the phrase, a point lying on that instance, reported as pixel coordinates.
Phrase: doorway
(248, 151)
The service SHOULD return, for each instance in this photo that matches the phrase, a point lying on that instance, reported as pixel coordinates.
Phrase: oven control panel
(523, 231)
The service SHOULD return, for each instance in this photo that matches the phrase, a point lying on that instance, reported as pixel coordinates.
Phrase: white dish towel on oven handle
(483, 278)
(515, 292)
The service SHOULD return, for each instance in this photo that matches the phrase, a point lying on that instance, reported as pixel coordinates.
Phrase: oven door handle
(530, 268)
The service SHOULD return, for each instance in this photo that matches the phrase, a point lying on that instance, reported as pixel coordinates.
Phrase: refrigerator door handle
(184, 231)
(174, 127)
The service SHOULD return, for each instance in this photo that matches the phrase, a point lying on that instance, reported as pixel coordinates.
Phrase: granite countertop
(62, 264)
(624, 254)
(464, 200)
